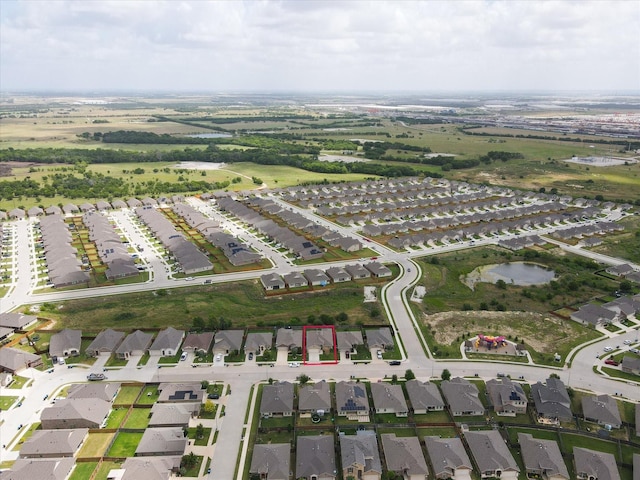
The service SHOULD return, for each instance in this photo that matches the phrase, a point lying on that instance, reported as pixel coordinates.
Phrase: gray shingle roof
(106, 341)
(595, 464)
(404, 454)
(48, 443)
(462, 395)
(447, 455)
(552, 400)
(169, 440)
(361, 449)
(542, 456)
(65, 340)
(389, 397)
(490, 452)
(351, 397)
(30, 468)
(424, 395)
(277, 398)
(271, 460)
(315, 455)
(602, 409)
(315, 397)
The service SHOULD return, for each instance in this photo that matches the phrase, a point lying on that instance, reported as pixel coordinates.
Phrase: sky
(319, 46)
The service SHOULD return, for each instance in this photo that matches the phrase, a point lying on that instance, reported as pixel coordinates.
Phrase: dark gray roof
(361, 449)
(424, 395)
(542, 455)
(288, 337)
(404, 454)
(137, 340)
(106, 341)
(603, 409)
(277, 398)
(552, 400)
(388, 396)
(462, 395)
(351, 397)
(257, 339)
(593, 464)
(168, 338)
(348, 340)
(64, 340)
(315, 397)
(379, 337)
(490, 452)
(315, 455)
(228, 340)
(271, 460)
(447, 455)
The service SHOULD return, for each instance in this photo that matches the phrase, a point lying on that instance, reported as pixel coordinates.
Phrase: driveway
(283, 356)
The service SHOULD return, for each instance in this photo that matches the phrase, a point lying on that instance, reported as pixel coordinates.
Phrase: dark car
(250, 355)
(611, 361)
(395, 363)
(213, 396)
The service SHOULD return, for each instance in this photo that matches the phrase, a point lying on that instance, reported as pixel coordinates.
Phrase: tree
(205, 384)
(625, 286)
(303, 379)
(446, 374)
(198, 324)
(501, 284)
(409, 375)
(209, 407)
(394, 378)
(200, 431)
(189, 461)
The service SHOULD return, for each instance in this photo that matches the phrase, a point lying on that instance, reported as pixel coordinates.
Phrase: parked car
(608, 349)
(634, 350)
(394, 363)
(250, 355)
(379, 354)
(294, 364)
(213, 396)
(611, 361)
(627, 342)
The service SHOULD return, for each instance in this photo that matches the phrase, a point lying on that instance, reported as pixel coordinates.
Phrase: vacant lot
(244, 304)
(543, 333)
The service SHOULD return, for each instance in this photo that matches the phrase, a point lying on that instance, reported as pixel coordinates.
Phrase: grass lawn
(444, 432)
(18, 382)
(195, 470)
(116, 416)
(149, 395)
(83, 470)
(144, 359)
(208, 410)
(127, 395)
(200, 441)
(138, 418)
(243, 303)
(105, 468)
(571, 440)
(275, 422)
(114, 361)
(170, 360)
(433, 417)
(95, 445)
(6, 401)
(125, 445)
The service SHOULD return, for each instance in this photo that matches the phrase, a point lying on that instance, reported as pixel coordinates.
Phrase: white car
(188, 279)
(218, 357)
(634, 350)
(627, 342)
(607, 349)
(379, 354)
(294, 364)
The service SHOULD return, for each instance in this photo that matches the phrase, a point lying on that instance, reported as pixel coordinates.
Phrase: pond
(514, 273)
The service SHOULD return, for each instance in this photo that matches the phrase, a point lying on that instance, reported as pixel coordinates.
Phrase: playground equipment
(489, 341)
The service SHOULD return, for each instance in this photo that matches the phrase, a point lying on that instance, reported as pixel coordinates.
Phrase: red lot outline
(304, 345)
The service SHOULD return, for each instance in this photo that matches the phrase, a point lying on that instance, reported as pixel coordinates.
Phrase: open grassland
(625, 244)
(244, 304)
(95, 445)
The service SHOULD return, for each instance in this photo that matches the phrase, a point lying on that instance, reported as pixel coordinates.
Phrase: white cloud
(328, 45)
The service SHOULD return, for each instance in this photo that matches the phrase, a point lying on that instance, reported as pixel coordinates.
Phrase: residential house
(181, 392)
(17, 321)
(388, 398)
(105, 343)
(289, 339)
(106, 391)
(295, 280)
(173, 414)
(462, 397)
(314, 399)
(134, 344)
(53, 210)
(13, 360)
(378, 270)
(148, 468)
(602, 409)
(316, 277)
(227, 341)
(379, 338)
(30, 468)
(349, 341)
(357, 272)
(404, 456)
(271, 461)
(424, 397)
(620, 270)
(319, 340)
(630, 365)
(272, 281)
(593, 465)
(315, 458)
(277, 400)
(542, 458)
(65, 343)
(75, 413)
(198, 343)
(492, 455)
(167, 343)
(552, 401)
(162, 441)
(338, 274)
(54, 443)
(448, 458)
(507, 397)
(5, 379)
(352, 400)
(595, 315)
(258, 342)
(360, 456)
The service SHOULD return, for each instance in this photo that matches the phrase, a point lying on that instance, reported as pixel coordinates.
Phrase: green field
(83, 470)
(243, 303)
(125, 445)
(116, 417)
(127, 395)
(6, 401)
(138, 418)
(105, 468)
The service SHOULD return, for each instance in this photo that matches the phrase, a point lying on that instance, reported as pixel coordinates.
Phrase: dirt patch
(542, 332)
